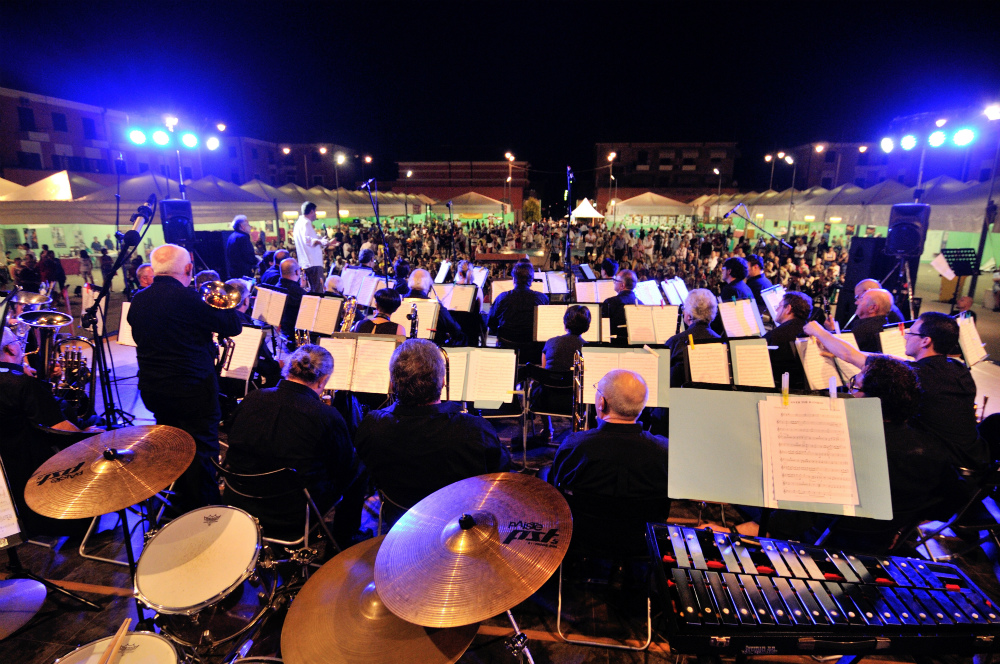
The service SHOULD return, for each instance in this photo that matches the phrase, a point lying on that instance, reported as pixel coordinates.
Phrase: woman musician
(387, 301)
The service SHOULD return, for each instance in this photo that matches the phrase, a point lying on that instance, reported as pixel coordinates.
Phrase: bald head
(290, 269)
(865, 285)
(875, 302)
(172, 261)
(624, 395)
(280, 255)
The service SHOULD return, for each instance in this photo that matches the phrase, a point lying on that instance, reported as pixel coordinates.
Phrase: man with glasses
(791, 315)
(873, 311)
(947, 389)
(894, 315)
(291, 283)
(614, 307)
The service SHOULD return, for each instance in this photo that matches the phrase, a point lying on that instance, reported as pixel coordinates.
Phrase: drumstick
(112, 653)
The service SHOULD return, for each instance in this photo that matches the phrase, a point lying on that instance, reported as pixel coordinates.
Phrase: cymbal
(338, 618)
(473, 549)
(109, 472)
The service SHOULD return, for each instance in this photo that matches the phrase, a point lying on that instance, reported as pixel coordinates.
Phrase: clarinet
(412, 317)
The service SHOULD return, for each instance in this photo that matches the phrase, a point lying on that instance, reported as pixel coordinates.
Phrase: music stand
(963, 263)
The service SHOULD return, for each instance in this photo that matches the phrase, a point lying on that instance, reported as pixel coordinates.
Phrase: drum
(137, 648)
(199, 572)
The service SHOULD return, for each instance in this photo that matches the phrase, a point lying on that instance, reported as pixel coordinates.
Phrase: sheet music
(847, 369)
(646, 365)
(752, 364)
(681, 287)
(124, 329)
(427, 315)
(538, 286)
(556, 282)
(462, 297)
(458, 363)
(371, 365)
(639, 323)
(260, 304)
(605, 326)
(479, 276)
(269, 306)
(647, 292)
(491, 375)
(738, 319)
(806, 451)
(444, 293)
(549, 321)
(501, 286)
(588, 271)
(327, 314)
(342, 351)
(306, 317)
(244, 355)
(664, 322)
(586, 291)
(708, 363)
(595, 367)
(772, 298)
(818, 368)
(442, 273)
(893, 343)
(8, 514)
(593, 334)
(366, 290)
(969, 340)
(605, 289)
(670, 290)
(351, 279)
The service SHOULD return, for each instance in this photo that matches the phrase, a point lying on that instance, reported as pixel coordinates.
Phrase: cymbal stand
(518, 644)
(131, 561)
(17, 571)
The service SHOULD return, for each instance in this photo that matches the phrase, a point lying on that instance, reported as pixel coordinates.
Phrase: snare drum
(136, 648)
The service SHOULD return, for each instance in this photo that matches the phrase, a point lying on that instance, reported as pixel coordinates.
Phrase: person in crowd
(449, 333)
(963, 307)
(309, 247)
(29, 277)
(241, 261)
(172, 328)
(367, 259)
(419, 444)
(757, 281)
(700, 308)
(52, 271)
(865, 285)
(791, 315)
(512, 314)
(613, 308)
(288, 426)
(734, 273)
(272, 275)
(947, 390)
(107, 268)
(387, 301)
(291, 282)
(86, 267)
(144, 275)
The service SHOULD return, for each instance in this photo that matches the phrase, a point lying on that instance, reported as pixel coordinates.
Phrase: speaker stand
(905, 289)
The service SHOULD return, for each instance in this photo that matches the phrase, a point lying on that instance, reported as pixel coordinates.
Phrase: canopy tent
(585, 210)
(61, 186)
(214, 189)
(7, 187)
(426, 200)
(650, 204)
(473, 203)
(297, 193)
(935, 190)
(136, 190)
(267, 192)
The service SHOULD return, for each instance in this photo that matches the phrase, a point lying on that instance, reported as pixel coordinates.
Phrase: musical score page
(772, 298)
(556, 282)
(442, 272)
(366, 291)
(673, 297)
(593, 333)
(586, 291)
(735, 320)
(306, 317)
(893, 343)
(342, 351)
(462, 296)
(444, 293)
(648, 293)
(639, 324)
(327, 313)
(457, 368)
(371, 365)
(539, 286)
(351, 279)
(595, 366)
(751, 364)
(491, 375)
(549, 321)
(479, 276)
(259, 311)
(647, 366)
(708, 363)
(818, 368)
(501, 287)
(605, 289)
(427, 315)
(969, 340)
(124, 329)
(8, 514)
(680, 287)
(244, 354)
(806, 451)
(664, 322)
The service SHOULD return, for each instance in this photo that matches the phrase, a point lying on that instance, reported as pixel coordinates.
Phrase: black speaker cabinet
(867, 259)
(210, 251)
(907, 229)
(177, 221)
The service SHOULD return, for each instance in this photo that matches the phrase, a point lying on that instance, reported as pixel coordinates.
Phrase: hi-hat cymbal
(473, 549)
(109, 472)
(338, 618)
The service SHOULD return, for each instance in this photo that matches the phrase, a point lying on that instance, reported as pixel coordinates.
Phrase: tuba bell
(220, 295)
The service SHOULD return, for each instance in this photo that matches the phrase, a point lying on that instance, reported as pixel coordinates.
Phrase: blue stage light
(161, 137)
(908, 142)
(886, 144)
(189, 140)
(936, 139)
(212, 143)
(137, 137)
(963, 137)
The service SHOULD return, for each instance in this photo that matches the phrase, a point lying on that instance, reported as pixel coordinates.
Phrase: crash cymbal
(109, 472)
(473, 549)
(338, 618)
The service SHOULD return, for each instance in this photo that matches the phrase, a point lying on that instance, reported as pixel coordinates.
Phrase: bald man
(873, 311)
(894, 315)
(617, 459)
(449, 333)
(291, 283)
(172, 328)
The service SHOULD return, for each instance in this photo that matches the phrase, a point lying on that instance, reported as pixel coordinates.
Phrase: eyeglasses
(913, 334)
(854, 385)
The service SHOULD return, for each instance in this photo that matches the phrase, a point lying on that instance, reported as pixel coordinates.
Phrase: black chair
(547, 393)
(611, 529)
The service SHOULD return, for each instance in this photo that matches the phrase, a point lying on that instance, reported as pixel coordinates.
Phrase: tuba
(220, 295)
(46, 323)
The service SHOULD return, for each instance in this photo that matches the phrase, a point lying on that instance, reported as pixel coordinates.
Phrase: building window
(860, 182)
(76, 163)
(59, 122)
(253, 153)
(89, 129)
(26, 118)
(232, 152)
(57, 162)
(143, 168)
(187, 173)
(235, 177)
(831, 157)
(31, 160)
(642, 157)
(317, 180)
(826, 183)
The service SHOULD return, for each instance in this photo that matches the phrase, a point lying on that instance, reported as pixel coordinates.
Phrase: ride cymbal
(338, 618)
(109, 472)
(473, 549)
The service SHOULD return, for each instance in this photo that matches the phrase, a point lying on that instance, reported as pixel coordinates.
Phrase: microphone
(366, 184)
(142, 217)
(731, 212)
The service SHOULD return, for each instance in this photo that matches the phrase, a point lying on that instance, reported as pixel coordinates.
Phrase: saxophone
(350, 307)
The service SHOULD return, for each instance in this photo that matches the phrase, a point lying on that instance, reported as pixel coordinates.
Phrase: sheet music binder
(698, 442)
(665, 315)
(459, 379)
(545, 332)
(661, 398)
(344, 378)
(772, 296)
(124, 329)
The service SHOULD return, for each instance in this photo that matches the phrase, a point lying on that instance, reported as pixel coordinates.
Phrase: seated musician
(272, 275)
(614, 307)
(947, 390)
(291, 282)
(919, 477)
(791, 315)
(865, 285)
(268, 368)
(144, 275)
(558, 353)
(471, 321)
(734, 272)
(401, 270)
(204, 277)
(512, 315)
(334, 285)
(419, 444)
(700, 308)
(448, 332)
(367, 259)
(288, 426)
(387, 301)
(873, 312)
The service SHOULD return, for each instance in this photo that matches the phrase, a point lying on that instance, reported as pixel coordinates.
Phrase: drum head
(137, 648)
(197, 559)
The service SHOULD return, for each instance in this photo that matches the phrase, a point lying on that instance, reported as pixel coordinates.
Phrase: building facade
(446, 179)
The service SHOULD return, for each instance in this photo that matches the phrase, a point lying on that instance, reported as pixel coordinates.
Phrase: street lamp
(337, 161)
(510, 177)
(992, 113)
(611, 172)
(406, 193)
(791, 192)
(718, 196)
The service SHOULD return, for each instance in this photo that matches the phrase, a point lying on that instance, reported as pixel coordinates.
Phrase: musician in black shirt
(272, 275)
(172, 328)
(268, 369)
(700, 308)
(613, 308)
(791, 315)
(873, 310)
(240, 258)
(448, 332)
(387, 301)
(757, 282)
(291, 283)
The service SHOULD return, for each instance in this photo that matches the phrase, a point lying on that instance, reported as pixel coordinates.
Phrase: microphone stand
(567, 258)
(734, 212)
(378, 224)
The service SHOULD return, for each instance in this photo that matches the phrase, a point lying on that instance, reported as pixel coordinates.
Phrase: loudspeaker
(868, 259)
(907, 229)
(210, 251)
(177, 221)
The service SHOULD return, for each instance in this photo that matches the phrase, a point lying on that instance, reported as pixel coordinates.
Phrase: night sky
(546, 80)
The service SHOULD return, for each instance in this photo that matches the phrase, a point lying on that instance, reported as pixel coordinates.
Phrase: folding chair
(547, 393)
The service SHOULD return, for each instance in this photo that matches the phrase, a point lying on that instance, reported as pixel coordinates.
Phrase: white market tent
(473, 203)
(136, 190)
(266, 191)
(220, 190)
(650, 204)
(7, 187)
(61, 186)
(585, 210)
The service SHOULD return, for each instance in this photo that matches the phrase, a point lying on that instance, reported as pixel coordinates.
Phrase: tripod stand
(905, 288)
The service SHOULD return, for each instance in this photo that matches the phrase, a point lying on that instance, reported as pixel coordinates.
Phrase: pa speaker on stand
(178, 226)
(908, 224)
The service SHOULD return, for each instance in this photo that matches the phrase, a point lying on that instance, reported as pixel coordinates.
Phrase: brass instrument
(46, 322)
(412, 317)
(220, 295)
(226, 347)
(350, 309)
(579, 408)
(302, 337)
(78, 381)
